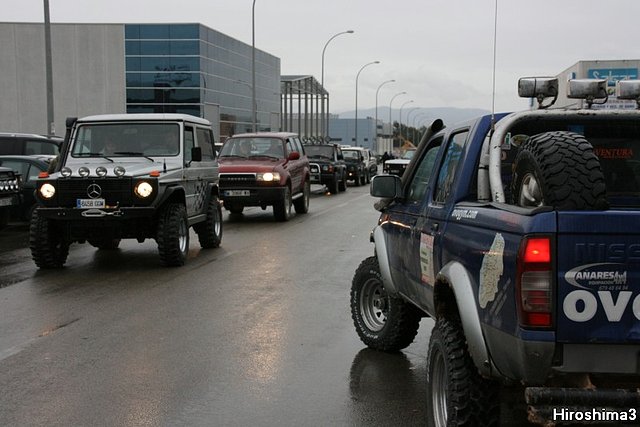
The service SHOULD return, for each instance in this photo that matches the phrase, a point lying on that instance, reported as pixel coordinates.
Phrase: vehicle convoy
(135, 176)
(327, 166)
(10, 189)
(265, 169)
(29, 168)
(520, 240)
(361, 164)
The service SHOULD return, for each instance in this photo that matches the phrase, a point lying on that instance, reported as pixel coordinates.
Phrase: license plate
(89, 203)
(232, 193)
(6, 201)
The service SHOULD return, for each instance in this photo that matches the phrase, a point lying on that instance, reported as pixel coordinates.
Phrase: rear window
(19, 146)
(616, 142)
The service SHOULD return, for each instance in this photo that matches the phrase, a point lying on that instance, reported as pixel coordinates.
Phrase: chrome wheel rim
(439, 390)
(530, 192)
(374, 305)
(183, 235)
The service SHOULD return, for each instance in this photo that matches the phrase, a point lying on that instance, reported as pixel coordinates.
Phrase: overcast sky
(439, 51)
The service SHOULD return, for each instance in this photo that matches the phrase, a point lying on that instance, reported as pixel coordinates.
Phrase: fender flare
(380, 241)
(456, 276)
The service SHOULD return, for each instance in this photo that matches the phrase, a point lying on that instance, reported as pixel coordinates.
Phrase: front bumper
(252, 196)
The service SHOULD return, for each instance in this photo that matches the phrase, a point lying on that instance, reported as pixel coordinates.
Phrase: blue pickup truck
(519, 235)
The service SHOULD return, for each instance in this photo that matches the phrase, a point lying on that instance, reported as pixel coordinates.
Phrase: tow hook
(97, 213)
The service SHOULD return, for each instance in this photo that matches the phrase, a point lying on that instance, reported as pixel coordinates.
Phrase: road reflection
(395, 381)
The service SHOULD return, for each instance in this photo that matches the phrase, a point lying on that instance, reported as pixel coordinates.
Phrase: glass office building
(192, 69)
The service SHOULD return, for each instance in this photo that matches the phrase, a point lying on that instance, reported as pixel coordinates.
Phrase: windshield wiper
(264, 155)
(134, 153)
(232, 155)
(93, 155)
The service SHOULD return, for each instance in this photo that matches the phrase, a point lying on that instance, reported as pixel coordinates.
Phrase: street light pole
(390, 121)
(51, 128)
(378, 90)
(325, 126)
(400, 119)
(358, 76)
(412, 110)
(254, 108)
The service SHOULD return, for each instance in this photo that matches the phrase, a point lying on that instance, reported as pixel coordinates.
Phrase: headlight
(268, 177)
(47, 191)
(119, 171)
(101, 171)
(143, 189)
(83, 171)
(65, 171)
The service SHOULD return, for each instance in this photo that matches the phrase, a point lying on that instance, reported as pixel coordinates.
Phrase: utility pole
(51, 126)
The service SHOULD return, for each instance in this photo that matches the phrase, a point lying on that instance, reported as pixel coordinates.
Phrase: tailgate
(598, 298)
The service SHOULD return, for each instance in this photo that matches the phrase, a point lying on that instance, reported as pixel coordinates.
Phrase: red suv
(265, 169)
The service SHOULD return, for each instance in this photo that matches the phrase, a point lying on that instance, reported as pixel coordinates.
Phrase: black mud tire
(48, 248)
(558, 169)
(383, 322)
(102, 243)
(301, 204)
(282, 208)
(332, 187)
(5, 213)
(210, 231)
(363, 178)
(456, 393)
(342, 185)
(173, 235)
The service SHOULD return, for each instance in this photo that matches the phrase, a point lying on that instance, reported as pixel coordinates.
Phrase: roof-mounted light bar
(628, 89)
(588, 89)
(540, 88)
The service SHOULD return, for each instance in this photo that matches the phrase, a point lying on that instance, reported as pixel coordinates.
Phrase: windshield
(319, 151)
(127, 140)
(408, 155)
(351, 154)
(253, 147)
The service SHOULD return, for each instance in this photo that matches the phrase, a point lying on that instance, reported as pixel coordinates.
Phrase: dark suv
(29, 144)
(361, 164)
(265, 169)
(327, 166)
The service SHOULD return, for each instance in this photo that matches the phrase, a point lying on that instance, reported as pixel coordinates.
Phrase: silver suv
(129, 176)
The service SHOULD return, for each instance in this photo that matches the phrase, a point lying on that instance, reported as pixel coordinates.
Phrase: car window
(19, 167)
(290, 146)
(449, 166)
(10, 146)
(126, 139)
(205, 143)
(420, 182)
(189, 143)
(40, 147)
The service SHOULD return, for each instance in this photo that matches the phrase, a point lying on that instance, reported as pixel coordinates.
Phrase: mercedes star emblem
(94, 191)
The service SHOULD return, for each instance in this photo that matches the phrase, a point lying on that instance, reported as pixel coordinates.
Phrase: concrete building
(342, 131)
(611, 70)
(135, 68)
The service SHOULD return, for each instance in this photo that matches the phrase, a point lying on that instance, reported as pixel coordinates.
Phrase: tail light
(534, 283)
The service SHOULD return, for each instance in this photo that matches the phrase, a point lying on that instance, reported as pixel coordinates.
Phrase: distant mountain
(418, 116)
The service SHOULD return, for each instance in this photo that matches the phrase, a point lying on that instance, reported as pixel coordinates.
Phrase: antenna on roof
(493, 89)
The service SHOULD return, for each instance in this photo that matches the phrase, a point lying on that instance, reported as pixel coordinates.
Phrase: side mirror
(386, 186)
(294, 155)
(196, 154)
(340, 157)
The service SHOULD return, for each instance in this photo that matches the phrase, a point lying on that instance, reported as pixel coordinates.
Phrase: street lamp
(51, 128)
(357, 76)
(391, 122)
(254, 109)
(378, 90)
(325, 126)
(400, 119)
(411, 110)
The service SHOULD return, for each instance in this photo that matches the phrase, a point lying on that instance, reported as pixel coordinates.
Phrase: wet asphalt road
(256, 332)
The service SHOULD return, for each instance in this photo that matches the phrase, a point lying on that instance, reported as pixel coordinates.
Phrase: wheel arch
(173, 195)
(454, 296)
(380, 241)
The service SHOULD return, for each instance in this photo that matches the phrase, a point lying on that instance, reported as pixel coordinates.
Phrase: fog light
(83, 171)
(119, 171)
(65, 171)
(101, 171)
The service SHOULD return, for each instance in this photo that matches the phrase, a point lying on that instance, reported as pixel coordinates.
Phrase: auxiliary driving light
(65, 171)
(83, 171)
(101, 171)
(119, 171)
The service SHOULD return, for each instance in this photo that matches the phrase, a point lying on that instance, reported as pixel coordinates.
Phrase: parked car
(10, 186)
(361, 164)
(327, 166)
(29, 144)
(265, 169)
(29, 167)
